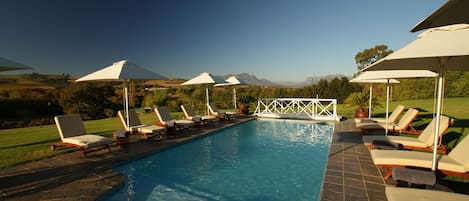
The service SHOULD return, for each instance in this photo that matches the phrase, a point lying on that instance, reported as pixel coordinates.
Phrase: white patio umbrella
(439, 49)
(452, 12)
(389, 75)
(204, 78)
(233, 80)
(8, 65)
(122, 71)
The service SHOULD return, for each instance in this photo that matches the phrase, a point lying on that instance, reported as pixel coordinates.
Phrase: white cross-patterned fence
(297, 108)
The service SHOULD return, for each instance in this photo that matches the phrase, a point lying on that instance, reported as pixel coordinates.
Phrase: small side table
(121, 138)
(388, 145)
(414, 176)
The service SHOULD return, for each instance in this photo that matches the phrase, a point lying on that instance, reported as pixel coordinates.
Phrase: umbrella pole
(126, 105)
(208, 100)
(371, 97)
(435, 96)
(234, 98)
(387, 107)
(441, 76)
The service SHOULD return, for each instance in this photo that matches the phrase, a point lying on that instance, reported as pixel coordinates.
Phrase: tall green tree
(371, 55)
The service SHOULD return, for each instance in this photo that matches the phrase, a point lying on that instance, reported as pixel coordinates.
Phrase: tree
(371, 55)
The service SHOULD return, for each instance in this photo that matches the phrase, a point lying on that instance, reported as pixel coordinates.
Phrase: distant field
(32, 143)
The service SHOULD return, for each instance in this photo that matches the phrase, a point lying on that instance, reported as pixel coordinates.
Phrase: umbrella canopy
(122, 71)
(453, 12)
(204, 78)
(438, 49)
(7, 65)
(392, 74)
(447, 45)
(233, 80)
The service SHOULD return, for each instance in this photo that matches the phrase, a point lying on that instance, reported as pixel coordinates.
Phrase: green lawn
(28, 144)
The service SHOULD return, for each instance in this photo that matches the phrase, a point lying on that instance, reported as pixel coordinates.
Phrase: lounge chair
(135, 126)
(405, 194)
(403, 126)
(423, 143)
(225, 115)
(73, 133)
(392, 118)
(164, 117)
(456, 163)
(190, 114)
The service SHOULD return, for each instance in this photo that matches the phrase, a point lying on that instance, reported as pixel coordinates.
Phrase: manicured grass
(33, 143)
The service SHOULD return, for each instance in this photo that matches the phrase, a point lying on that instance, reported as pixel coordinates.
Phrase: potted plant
(361, 100)
(244, 101)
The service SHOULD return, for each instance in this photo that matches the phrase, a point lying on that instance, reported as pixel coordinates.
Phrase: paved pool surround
(350, 173)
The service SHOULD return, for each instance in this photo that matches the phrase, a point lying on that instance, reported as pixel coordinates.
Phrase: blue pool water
(257, 160)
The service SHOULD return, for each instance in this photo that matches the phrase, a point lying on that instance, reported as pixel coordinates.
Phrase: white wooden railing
(297, 108)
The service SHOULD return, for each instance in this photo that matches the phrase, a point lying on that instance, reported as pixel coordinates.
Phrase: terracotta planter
(243, 109)
(361, 113)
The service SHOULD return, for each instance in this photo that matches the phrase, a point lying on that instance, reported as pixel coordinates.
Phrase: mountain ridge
(310, 80)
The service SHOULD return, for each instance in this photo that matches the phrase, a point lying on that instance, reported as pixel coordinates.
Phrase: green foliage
(160, 97)
(89, 99)
(246, 99)
(458, 87)
(371, 55)
(359, 99)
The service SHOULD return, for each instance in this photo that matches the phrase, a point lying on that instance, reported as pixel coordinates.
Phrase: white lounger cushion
(424, 140)
(405, 194)
(415, 159)
(136, 125)
(150, 129)
(87, 140)
(165, 118)
(72, 131)
(208, 117)
(183, 122)
(403, 123)
(407, 141)
(392, 118)
(190, 114)
(456, 160)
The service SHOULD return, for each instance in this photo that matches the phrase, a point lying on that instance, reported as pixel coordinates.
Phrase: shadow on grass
(29, 144)
(455, 184)
(106, 133)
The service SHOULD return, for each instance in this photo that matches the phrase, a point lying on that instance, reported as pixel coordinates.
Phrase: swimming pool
(257, 160)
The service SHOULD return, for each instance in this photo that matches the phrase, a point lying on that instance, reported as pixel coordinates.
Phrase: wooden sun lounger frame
(440, 150)
(388, 171)
(161, 135)
(407, 130)
(83, 149)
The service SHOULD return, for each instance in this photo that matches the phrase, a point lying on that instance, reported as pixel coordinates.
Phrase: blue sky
(280, 40)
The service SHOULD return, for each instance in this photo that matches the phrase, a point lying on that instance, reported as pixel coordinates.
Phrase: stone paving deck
(350, 173)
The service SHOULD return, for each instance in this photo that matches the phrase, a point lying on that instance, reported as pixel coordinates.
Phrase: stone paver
(350, 173)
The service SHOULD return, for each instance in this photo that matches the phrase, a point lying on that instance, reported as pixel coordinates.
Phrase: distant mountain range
(252, 79)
